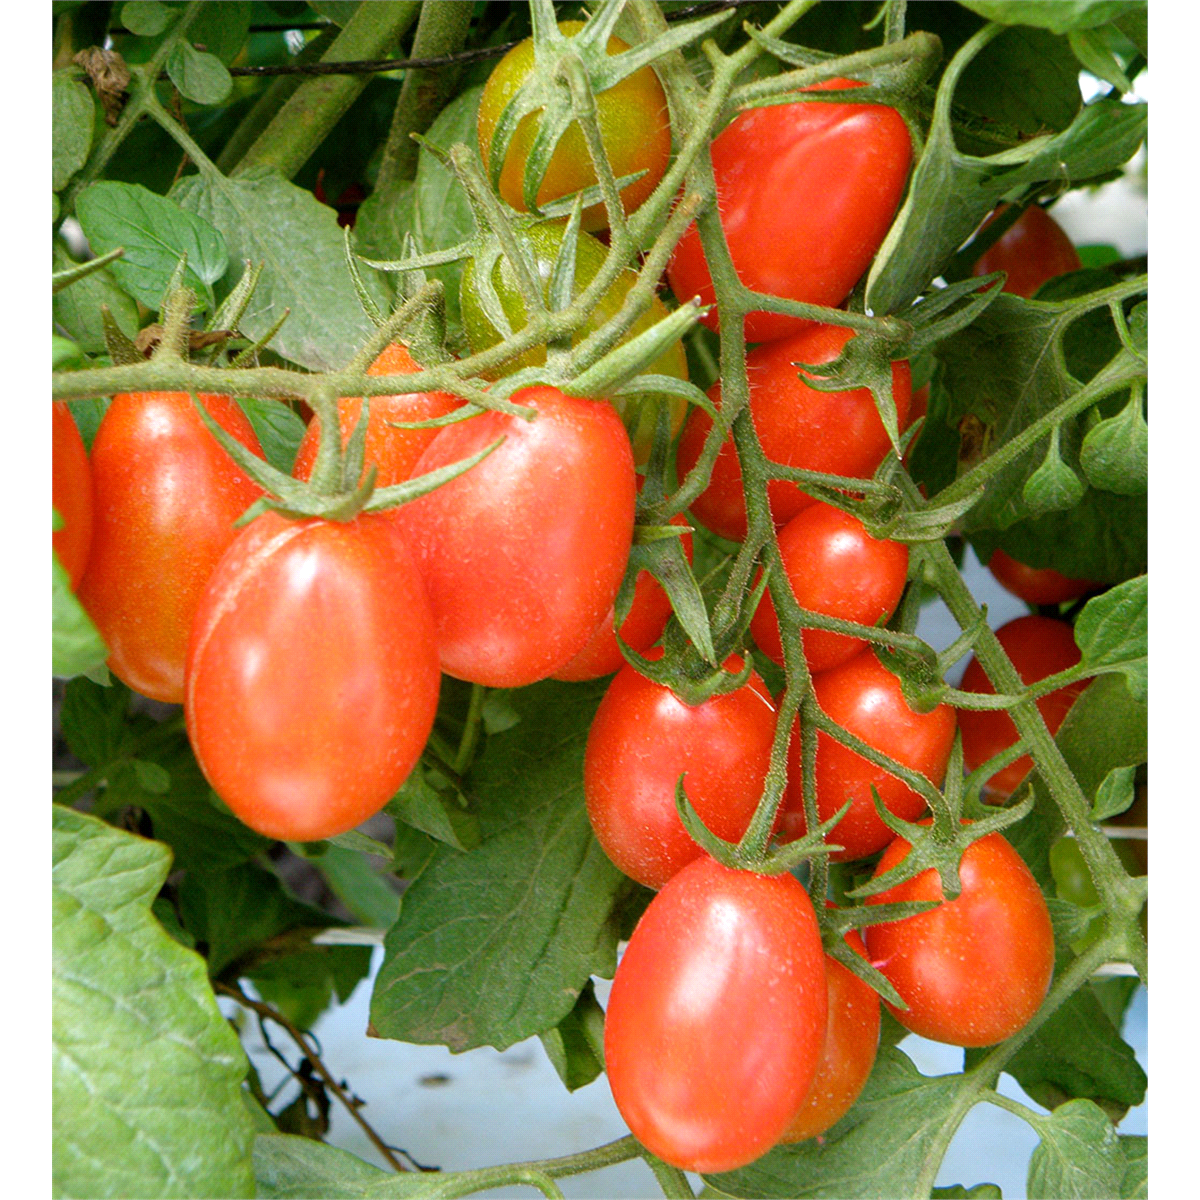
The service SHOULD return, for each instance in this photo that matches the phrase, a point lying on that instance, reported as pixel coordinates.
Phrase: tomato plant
(974, 970)
(643, 739)
(866, 699)
(307, 701)
(523, 555)
(724, 976)
(813, 251)
(1036, 585)
(72, 490)
(165, 499)
(839, 433)
(1038, 647)
(633, 123)
(833, 567)
(1032, 250)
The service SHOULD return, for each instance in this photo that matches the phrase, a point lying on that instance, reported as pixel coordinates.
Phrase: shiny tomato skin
(717, 1016)
(837, 569)
(523, 554)
(72, 492)
(1034, 249)
(1036, 585)
(643, 738)
(312, 674)
(634, 126)
(974, 970)
(839, 433)
(393, 451)
(1038, 646)
(806, 193)
(848, 1054)
(866, 699)
(166, 497)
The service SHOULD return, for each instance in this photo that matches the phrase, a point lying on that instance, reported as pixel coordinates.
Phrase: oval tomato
(312, 674)
(835, 568)
(866, 699)
(839, 433)
(717, 1016)
(393, 451)
(974, 970)
(72, 492)
(634, 126)
(1032, 250)
(1038, 646)
(643, 738)
(806, 193)
(639, 412)
(851, 1043)
(1036, 585)
(166, 497)
(523, 554)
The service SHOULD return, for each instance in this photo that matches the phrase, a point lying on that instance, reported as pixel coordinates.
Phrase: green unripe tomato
(638, 412)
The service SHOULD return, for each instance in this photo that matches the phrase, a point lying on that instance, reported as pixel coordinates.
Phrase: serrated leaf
(1113, 629)
(280, 430)
(1079, 1155)
(1059, 17)
(155, 233)
(146, 1071)
(266, 219)
(1134, 1180)
(494, 946)
(73, 118)
(423, 806)
(76, 644)
(287, 1167)
(93, 720)
(1115, 452)
(199, 76)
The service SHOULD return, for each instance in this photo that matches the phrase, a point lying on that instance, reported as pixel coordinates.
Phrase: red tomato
(866, 699)
(643, 737)
(1036, 585)
(839, 433)
(717, 1016)
(974, 970)
(166, 497)
(72, 491)
(1032, 250)
(394, 451)
(1038, 646)
(634, 126)
(806, 193)
(312, 674)
(837, 569)
(523, 554)
(851, 1043)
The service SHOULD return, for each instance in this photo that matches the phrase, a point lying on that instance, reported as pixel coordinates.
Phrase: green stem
(320, 101)
(84, 782)
(671, 1180)
(471, 730)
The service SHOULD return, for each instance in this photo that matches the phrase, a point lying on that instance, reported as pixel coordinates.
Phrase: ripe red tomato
(851, 1043)
(717, 1016)
(643, 738)
(1032, 250)
(312, 673)
(836, 432)
(634, 126)
(1036, 585)
(166, 497)
(835, 568)
(393, 451)
(974, 970)
(1038, 646)
(806, 193)
(866, 699)
(72, 492)
(523, 554)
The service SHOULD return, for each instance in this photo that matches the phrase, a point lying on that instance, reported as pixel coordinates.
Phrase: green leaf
(287, 1167)
(1079, 1155)
(77, 308)
(1115, 794)
(156, 233)
(498, 713)
(1095, 53)
(571, 1045)
(146, 1071)
(956, 1191)
(93, 720)
(434, 811)
(266, 219)
(279, 428)
(146, 18)
(1060, 17)
(1115, 452)
(494, 946)
(73, 117)
(77, 645)
(1053, 486)
(1113, 630)
(199, 76)
(359, 886)
(221, 29)
(337, 11)
(1134, 1182)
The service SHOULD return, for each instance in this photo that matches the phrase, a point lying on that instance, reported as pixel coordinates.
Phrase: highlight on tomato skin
(974, 970)
(717, 1016)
